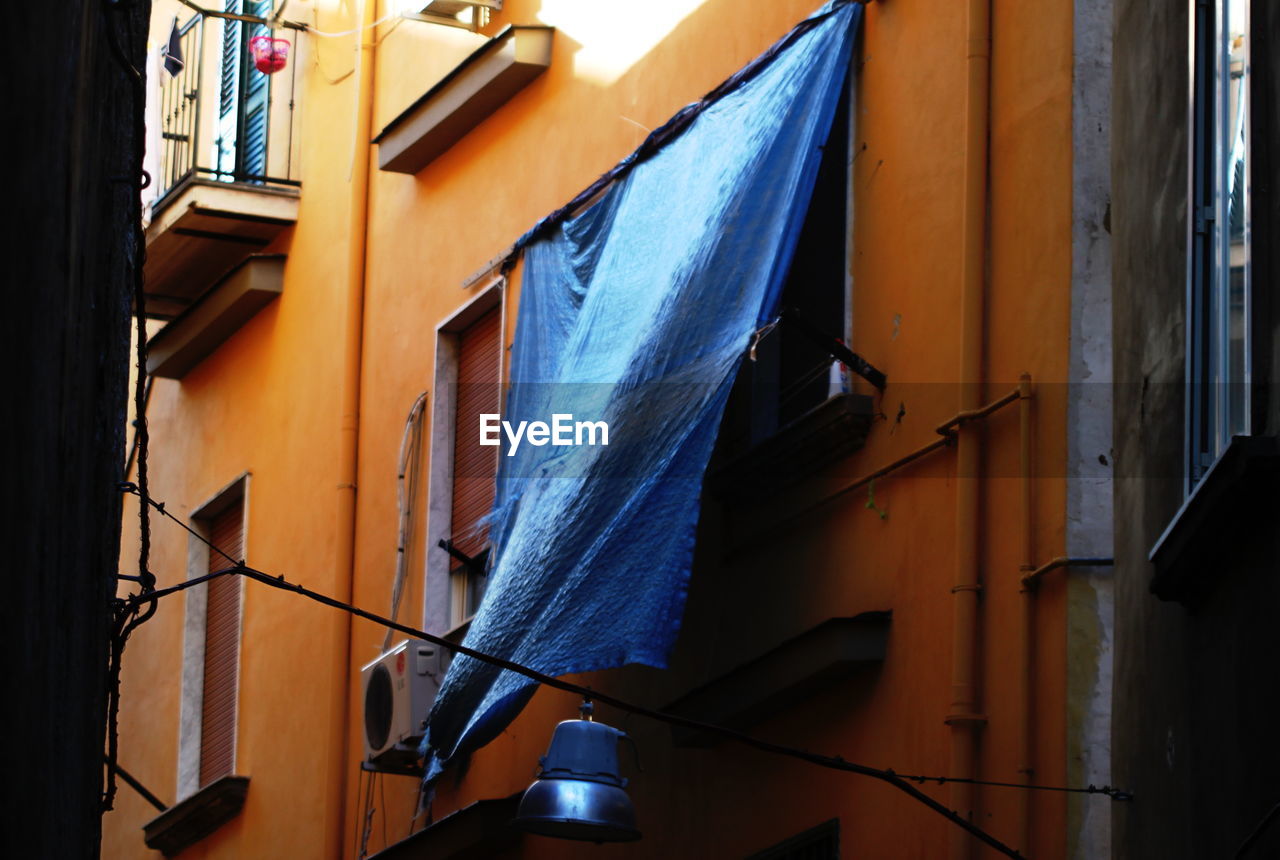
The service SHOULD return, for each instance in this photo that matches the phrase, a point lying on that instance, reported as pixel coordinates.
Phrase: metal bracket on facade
(472, 564)
(836, 347)
(236, 16)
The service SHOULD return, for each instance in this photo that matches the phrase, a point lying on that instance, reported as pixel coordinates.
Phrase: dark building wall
(71, 196)
(1195, 685)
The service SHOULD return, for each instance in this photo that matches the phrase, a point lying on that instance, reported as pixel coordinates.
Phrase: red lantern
(269, 54)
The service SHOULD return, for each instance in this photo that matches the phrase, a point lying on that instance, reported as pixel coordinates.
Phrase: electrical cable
(136, 784)
(360, 834)
(898, 781)
(133, 443)
(1253, 837)
(406, 492)
(127, 615)
(338, 34)
(382, 799)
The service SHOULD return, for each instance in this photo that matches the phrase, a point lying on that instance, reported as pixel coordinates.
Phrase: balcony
(483, 82)
(224, 178)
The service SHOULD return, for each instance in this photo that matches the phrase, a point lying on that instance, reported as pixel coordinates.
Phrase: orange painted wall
(267, 402)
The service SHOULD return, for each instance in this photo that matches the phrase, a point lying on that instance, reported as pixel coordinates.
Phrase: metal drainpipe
(1026, 621)
(964, 717)
(349, 427)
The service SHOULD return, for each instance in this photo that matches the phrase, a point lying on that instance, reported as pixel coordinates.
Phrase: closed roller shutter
(221, 650)
(479, 354)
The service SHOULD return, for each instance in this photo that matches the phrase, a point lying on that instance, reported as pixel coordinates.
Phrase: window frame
(445, 589)
(1212, 391)
(760, 412)
(195, 626)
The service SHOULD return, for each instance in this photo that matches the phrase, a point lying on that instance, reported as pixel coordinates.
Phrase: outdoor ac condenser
(453, 7)
(399, 688)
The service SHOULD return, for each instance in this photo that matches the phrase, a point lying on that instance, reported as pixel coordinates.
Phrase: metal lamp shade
(578, 793)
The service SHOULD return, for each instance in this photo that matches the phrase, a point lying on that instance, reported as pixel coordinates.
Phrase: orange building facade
(942, 619)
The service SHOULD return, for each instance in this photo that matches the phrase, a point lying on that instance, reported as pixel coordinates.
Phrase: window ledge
(477, 87)
(200, 329)
(477, 830)
(1233, 500)
(831, 430)
(783, 675)
(187, 822)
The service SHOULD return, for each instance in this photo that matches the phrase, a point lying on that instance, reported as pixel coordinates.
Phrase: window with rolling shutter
(474, 466)
(221, 649)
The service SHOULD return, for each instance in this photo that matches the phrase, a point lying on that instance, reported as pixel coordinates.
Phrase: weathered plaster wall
(1090, 615)
(1148, 220)
(1194, 689)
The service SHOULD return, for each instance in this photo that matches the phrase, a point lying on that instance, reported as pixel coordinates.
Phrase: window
(791, 374)
(221, 649)
(211, 651)
(473, 466)
(463, 472)
(1219, 277)
(244, 97)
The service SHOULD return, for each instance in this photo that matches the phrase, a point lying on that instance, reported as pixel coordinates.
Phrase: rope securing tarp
(636, 312)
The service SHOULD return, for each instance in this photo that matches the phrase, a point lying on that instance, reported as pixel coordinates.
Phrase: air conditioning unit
(453, 7)
(399, 689)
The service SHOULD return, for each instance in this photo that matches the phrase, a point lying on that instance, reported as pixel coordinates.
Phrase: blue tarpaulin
(637, 312)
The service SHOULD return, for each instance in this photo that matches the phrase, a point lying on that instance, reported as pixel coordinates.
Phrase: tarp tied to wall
(637, 312)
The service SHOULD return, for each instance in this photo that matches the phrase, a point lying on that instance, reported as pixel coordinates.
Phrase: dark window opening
(791, 374)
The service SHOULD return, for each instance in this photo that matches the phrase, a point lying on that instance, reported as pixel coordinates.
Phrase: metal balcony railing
(220, 117)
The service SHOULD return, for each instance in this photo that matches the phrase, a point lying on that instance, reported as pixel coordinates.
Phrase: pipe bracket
(961, 719)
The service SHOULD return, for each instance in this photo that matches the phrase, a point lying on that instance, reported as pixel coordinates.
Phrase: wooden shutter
(230, 78)
(221, 650)
(479, 356)
(229, 90)
(251, 140)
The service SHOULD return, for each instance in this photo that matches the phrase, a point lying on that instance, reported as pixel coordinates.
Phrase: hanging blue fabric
(637, 312)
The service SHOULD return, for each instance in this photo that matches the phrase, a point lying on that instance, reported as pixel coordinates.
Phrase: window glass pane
(1229, 330)
(1237, 238)
(1219, 277)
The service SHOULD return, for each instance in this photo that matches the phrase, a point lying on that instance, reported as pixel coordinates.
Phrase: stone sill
(1234, 500)
(187, 822)
(782, 676)
(830, 431)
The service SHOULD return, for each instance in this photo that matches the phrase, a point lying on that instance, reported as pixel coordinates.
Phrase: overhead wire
(340, 33)
(133, 443)
(888, 776)
(127, 615)
(382, 798)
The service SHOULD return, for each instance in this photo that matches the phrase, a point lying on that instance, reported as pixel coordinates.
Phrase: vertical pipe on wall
(1026, 620)
(963, 716)
(349, 426)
